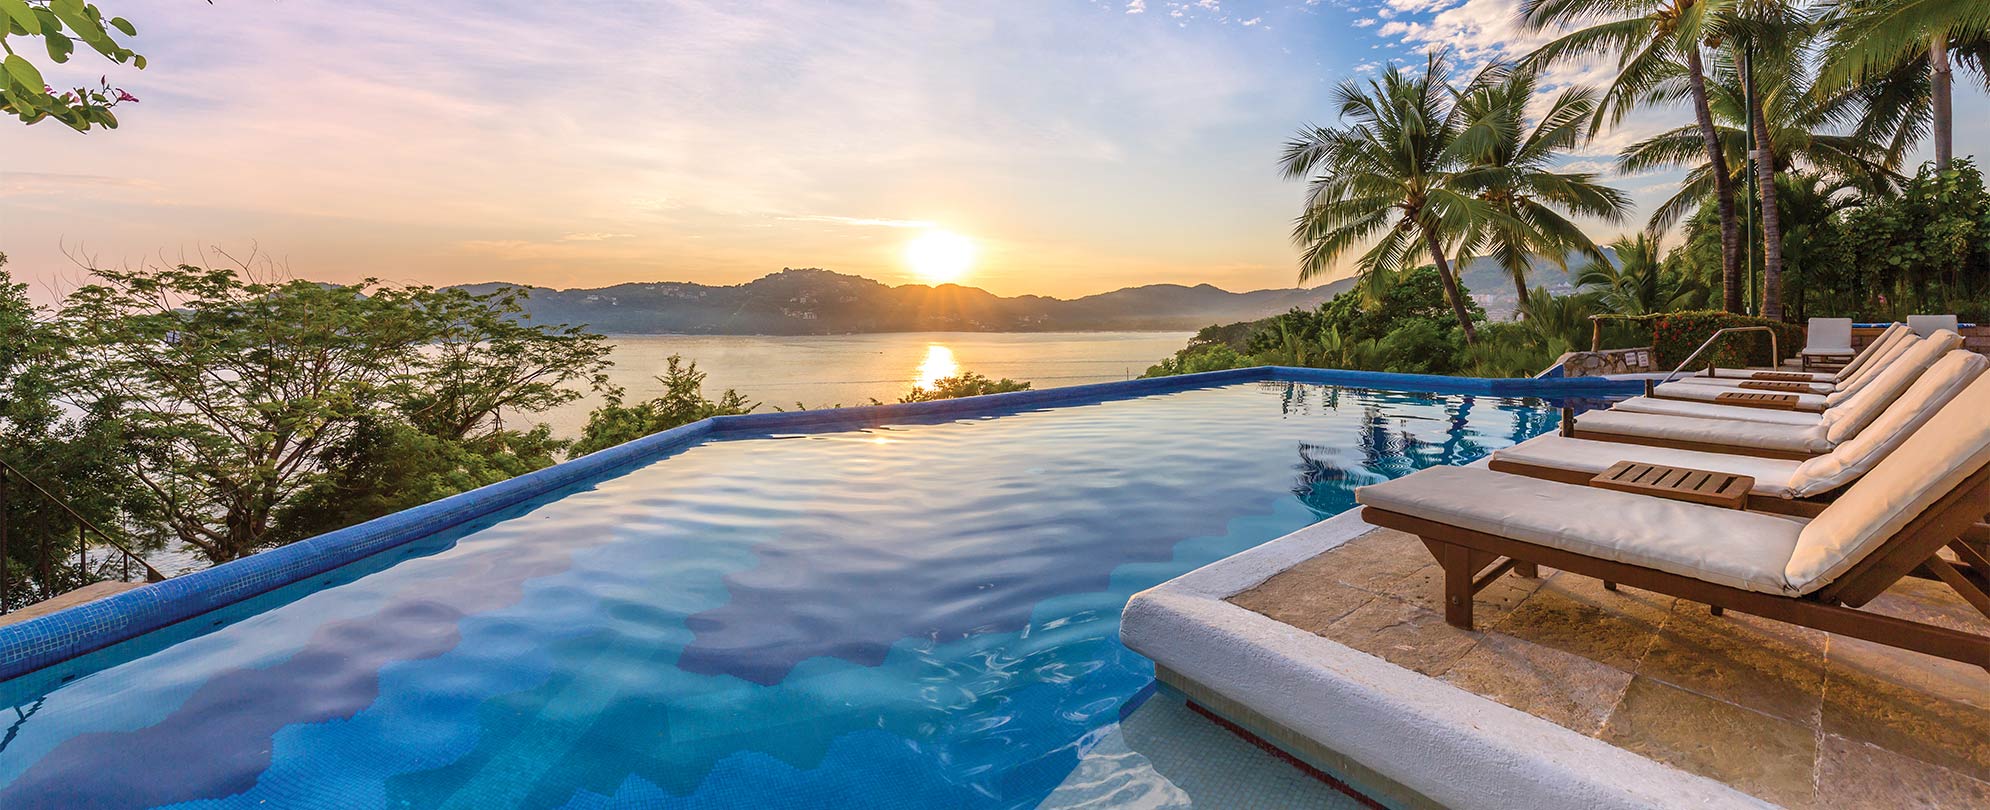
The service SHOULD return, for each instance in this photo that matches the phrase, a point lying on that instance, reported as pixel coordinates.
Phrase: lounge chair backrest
(1901, 349)
(1879, 346)
(1916, 358)
(1857, 455)
(1925, 325)
(1952, 446)
(1828, 334)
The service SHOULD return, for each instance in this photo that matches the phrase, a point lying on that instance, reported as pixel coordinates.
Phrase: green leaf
(124, 25)
(23, 72)
(18, 11)
(59, 47)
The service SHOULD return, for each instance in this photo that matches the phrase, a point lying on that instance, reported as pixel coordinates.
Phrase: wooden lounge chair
(1827, 341)
(1892, 523)
(1791, 486)
(1753, 431)
(1929, 324)
(1911, 350)
(1873, 350)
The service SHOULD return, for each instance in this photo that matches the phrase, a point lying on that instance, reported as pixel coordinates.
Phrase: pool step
(88, 593)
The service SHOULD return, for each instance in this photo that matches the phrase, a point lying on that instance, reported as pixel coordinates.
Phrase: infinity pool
(924, 615)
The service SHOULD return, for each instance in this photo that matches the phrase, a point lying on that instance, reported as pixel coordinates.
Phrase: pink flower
(124, 96)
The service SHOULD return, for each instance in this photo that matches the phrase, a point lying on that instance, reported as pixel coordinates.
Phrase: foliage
(683, 401)
(244, 398)
(965, 384)
(74, 451)
(60, 23)
(1514, 349)
(1674, 336)
(1927, 250)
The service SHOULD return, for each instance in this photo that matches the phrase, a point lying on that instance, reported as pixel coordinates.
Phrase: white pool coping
(1450, 745)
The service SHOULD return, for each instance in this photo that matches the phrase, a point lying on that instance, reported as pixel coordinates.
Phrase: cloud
(595, 236)
(1136, 6)
(1364, 22)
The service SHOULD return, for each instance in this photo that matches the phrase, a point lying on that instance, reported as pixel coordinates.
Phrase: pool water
(921, 615)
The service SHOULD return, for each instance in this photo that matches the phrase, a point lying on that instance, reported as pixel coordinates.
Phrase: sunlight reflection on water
(939, 364)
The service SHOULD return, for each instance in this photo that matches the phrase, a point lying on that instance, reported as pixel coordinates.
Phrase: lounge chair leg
(1458, 574)
(1717, 610)
(1609, 586)
(1526, 569)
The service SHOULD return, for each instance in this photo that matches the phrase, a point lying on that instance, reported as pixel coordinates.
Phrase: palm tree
(1901, 54)
(1507, 166)
(1790, 126)
(1389, 174)
(1651, 38)
(1771, 33)
(1638, 282)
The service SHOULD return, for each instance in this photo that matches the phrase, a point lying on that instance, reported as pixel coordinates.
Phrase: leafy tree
(1927, 250)
(1508, 167)
(231, 386)
(70, 448)
(1389, 175)
(683, 402)
(59, 24)
(484, 358)
(965, 384)
(1899, 55)
(1658, 47)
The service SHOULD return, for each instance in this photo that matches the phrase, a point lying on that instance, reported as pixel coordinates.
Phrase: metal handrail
(82, 524)
(1775, 352)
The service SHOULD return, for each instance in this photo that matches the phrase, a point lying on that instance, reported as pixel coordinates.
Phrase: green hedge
(1674, 335)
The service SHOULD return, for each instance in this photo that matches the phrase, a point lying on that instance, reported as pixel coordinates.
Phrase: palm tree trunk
(1772, 225)
(1723, 185)
(1520, 286)
(1943, 102)
(1451, 291)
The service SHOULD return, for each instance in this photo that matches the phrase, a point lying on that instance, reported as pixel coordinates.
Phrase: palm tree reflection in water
(1392, 444)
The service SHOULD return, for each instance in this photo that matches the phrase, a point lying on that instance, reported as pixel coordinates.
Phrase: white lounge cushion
(1711, 411)
(1772, 475)
(1737, 383)
(1918, 353)
(1709, 393)
(1894, 333)
(1853, 409)
(1925, 325)
(1857, 455)
(1763, 435)
(1724, 546)
(1954, 444)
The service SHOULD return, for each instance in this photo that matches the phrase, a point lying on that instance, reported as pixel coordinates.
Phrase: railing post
(82, 555)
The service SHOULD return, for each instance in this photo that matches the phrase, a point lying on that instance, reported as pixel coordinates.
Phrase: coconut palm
(1653, 41)
(1507, 166)
(1767, 40)
(1638, 283)
(1900, 54)
(1797, 122)
(1388, 176)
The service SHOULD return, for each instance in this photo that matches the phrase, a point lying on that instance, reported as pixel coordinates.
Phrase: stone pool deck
(1331, 643)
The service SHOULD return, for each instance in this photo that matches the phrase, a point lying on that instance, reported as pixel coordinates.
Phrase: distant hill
(1489, 284)
(820, 302)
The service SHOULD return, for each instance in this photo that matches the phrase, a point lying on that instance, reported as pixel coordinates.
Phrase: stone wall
(1608, 361)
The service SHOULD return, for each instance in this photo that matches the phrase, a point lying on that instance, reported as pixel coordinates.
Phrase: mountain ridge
(813, 301)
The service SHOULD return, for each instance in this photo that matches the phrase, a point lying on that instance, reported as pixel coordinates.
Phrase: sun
(940, 256)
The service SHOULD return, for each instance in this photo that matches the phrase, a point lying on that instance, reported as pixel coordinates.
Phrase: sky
(1079, 145)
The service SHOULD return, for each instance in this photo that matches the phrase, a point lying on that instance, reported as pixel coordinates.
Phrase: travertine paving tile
(1575, 614)
(1425, 589)
(1756, 663)
(1764, 756)
(1404, 634)
(1877, 696)
(1855, 774)
(1566, 689)
(1374, 560)
(1308, 600)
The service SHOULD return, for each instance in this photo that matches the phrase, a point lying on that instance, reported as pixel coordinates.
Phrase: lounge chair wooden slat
(1968, 588)
(1677, 483)
(1751, 399)
(1927, 533)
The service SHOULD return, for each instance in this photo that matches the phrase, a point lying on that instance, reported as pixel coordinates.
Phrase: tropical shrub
(1925, 251)
(683, 402)
(1674, 336)
(965, 384)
